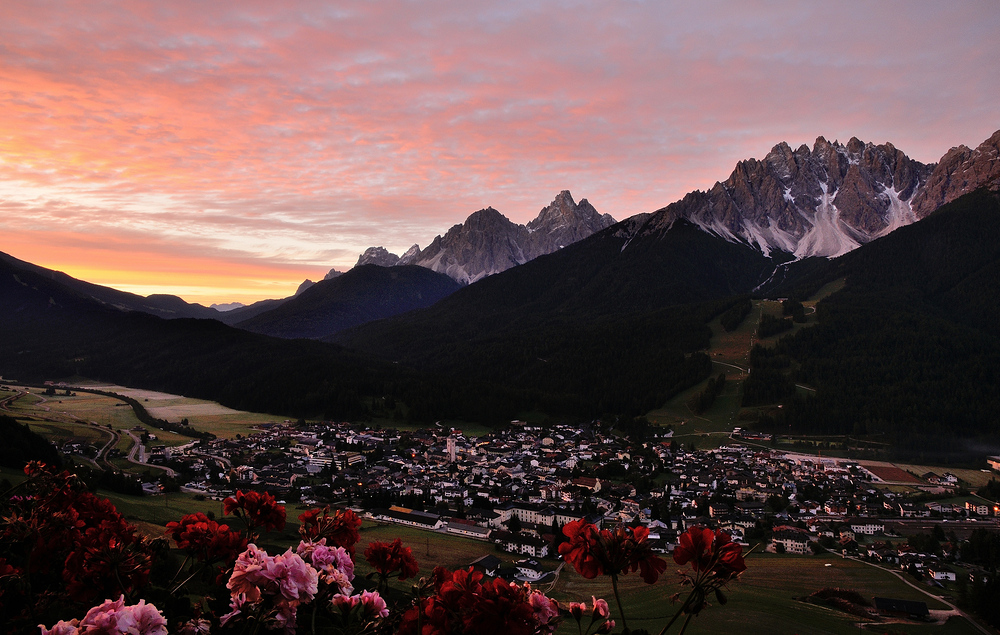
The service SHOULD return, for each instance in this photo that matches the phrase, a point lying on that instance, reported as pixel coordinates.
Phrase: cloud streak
(294, 137)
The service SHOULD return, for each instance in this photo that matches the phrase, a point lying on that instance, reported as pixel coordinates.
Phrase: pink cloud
(292, 134)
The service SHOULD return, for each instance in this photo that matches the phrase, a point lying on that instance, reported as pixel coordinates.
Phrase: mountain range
(488, 242)
(613, 323)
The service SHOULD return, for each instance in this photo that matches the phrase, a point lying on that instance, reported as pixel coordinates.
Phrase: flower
(297, 581)
(388, 558)
(343, 603)
(695, 546)
(373, 605)
(61, 628)
(250, 569)
(277, 585)
(710, 550)
(333, 564)
(148, 619)
(206, 539)
(114, 618)
(620, 550)
(580, 548)
(546, 611)
(463, 602)
(601, 610)
(340, 528)
(256, 510)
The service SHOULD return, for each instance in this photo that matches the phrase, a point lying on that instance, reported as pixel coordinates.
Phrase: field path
(940, 614)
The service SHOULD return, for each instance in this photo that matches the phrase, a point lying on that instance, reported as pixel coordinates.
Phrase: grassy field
(202, 415)
(763, 601)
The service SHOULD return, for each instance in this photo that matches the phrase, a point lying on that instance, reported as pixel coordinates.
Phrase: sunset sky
(226, 151)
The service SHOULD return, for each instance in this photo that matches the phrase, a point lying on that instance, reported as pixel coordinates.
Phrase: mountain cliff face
(488, 242)
(959, 171)
(830, 199)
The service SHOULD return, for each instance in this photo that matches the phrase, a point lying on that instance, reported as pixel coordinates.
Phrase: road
(952, 609)
(101, 460)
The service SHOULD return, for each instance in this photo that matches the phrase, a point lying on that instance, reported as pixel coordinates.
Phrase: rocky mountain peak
(377, 256)
(960, 170)
(563, 222)
(409, 256)
(828, 200)
(488, 242)
(306, 284)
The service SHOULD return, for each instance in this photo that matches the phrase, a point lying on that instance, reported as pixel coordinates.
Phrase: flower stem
(676, 615)
(614, 587)
(186, 580)
(686, 622)
(183, 564)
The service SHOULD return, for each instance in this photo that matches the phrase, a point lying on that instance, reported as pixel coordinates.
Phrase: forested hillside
(910, 347)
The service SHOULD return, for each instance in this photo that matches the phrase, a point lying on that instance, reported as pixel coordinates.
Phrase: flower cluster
(594, 552)
(59, 541)
(206, 539)
(256, 510)
(714, 557)
(715, 560)
(709, 550)
(114, 618)
(61, 546)
(463, 602)
(368, 604)
(599, 615)
(333, 564)
(270, 587)
(340, 528)
(389, 558)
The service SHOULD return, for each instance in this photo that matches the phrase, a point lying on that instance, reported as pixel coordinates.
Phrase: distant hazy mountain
(829, 200)
(53, 331)
(363, 294)
(227, 306)
(165, 306)
(488, 242)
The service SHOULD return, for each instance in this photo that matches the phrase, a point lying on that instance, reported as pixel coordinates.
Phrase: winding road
(101, 460)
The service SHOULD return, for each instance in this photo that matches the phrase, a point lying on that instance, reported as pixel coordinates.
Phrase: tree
(514, 524)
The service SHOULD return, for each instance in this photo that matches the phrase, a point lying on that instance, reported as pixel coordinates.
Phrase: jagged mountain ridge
(488, 242)
(828, 200)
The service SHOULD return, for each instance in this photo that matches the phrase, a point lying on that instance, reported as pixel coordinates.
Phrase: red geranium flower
(339, 528)
(706, 549)
(206, 539)
(695, 546)
(621, 550)
(389, 558)
(580, 548)
(464, 603)
(256, 510)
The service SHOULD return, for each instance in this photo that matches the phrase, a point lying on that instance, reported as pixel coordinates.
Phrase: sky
(226, 151)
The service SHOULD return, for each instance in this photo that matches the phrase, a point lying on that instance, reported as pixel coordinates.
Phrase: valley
(656, 372)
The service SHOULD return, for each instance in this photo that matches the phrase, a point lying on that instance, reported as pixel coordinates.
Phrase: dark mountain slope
(361, 295)
(607, 324)
(51, 331)
(165, 306)
(910, 348)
